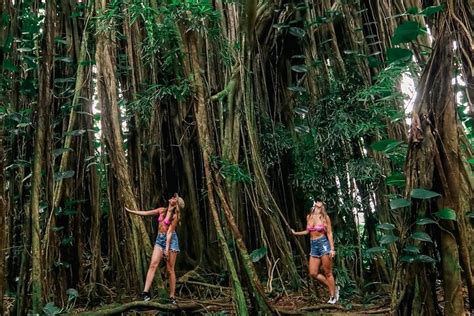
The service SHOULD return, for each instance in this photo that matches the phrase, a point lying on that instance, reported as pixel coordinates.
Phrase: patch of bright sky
(407, 86)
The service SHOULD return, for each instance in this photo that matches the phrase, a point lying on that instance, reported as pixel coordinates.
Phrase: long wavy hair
(323, 214)
(177, 208)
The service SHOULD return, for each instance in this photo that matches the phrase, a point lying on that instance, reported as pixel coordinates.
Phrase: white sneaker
(332, 300)
(336, 295)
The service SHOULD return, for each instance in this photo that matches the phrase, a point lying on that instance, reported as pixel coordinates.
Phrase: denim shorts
(161, 241)
(320, 247)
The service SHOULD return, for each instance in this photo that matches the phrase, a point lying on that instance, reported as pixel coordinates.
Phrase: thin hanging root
(270, 279)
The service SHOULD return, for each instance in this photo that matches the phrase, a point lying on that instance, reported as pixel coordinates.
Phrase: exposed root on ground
(188, 305)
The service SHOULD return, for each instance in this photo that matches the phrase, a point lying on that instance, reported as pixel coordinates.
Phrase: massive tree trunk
(43, 111)
(191, 48)
(139, 246)
(435, 162)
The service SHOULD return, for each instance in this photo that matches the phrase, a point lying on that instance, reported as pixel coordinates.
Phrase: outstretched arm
(155, 211)
(300, 233)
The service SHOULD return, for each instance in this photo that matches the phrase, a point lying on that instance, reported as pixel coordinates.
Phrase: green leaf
(9, 65)
(411, 249)
(51, 309)
(69, 211)
(386, 226)
(407, 258)
(412, 10)
(471, 161)
(87, 62)
(407, 32)
(25, 49)
(399, 54)
(258, 254)
(425, 221)
(399, 203)
(388, 239)
(385, 145)
(423, 194)
(298, 57)
(65, 59)
(299, 68)
(60, 40)
(22, 125)
(76, 132)
(351, 52)
(422, 236)
(373, 62)
(396, 179)
(302, 129)
(417, 258)
(65, 80)
(470, 214)
(446, 213)
(376, 249)
(279, 26)
(72, 294)
(301, 110)
(297, 31)
(60, 151)
(297, 89)
(63, 175)
(432, 10)
(424, 258)
(67, 241)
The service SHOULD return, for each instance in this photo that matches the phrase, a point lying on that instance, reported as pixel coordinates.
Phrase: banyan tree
(250, 110)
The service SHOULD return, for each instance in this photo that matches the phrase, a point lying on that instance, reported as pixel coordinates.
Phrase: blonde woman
(166, 244)
(318, 226)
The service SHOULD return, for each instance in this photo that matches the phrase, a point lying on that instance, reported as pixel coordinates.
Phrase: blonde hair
(323, 215)
(178, 207)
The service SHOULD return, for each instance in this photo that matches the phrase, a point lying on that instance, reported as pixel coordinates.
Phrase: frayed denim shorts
(161, 241)
(320, 247)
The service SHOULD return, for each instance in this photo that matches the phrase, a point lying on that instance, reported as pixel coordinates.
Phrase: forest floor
(291, 304)
(202, 302)
(198, 298)
(284, 305)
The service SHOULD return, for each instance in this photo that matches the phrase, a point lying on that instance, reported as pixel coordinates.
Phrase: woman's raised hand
(127, 209)
(293, 231)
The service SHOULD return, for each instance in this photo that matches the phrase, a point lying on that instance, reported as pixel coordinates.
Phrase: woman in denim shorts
(318, 226)
(166, 244)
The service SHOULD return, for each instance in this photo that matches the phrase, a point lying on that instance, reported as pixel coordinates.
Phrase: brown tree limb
(185, 306)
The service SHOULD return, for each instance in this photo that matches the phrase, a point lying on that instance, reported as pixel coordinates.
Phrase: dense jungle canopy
(250, 110)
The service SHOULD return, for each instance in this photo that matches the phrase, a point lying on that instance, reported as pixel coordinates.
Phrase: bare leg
(314, 263)
(155, 262)
(327, 267)
(171, 274)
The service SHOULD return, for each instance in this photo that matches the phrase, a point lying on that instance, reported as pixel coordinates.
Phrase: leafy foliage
(423, 194)
(446, 213)
(231, 172)
(399, 203)
(407, 32)
(258, 254)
